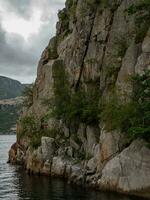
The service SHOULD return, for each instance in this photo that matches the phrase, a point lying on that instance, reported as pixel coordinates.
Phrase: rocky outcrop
(128, 171)
(100, 47)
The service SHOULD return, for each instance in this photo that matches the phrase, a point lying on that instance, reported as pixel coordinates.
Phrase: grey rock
(92, 134)
(48, 147)
(129, 171)
(58, 167)
(74, 144)
(111, 143)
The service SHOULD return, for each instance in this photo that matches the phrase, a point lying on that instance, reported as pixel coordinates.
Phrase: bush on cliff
(142, 16)
(28, 94)
(71, 106)
(34, 130)
(132, 117)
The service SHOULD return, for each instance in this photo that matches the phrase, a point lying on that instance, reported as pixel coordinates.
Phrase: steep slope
(83, 121)
(10, 88)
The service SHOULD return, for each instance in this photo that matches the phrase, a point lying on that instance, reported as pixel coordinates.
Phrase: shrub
(118, 116)
(63, 16)
(29, 126)
(32, 129)
(142, 16)
(84, 107)
(132, 117)
(71, 106)
(142, 97)
(112, 71)
(121, 46)
(28, 94)
(143, 5)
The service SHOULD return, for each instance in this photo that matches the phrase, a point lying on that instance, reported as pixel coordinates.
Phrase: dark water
(15, 184)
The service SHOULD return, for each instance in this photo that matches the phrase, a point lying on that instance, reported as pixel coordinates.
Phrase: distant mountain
(10, 103)
(10, 88)
(9, 112)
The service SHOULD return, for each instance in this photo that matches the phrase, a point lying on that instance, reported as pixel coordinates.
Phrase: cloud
(21, 7)
(18, 56)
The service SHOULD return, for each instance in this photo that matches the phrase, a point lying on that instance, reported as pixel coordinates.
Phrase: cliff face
(98, 48)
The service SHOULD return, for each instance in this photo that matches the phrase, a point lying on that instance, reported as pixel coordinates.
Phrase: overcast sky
(25, 29)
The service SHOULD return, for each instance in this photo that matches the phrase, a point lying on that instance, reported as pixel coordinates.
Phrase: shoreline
(35, 164)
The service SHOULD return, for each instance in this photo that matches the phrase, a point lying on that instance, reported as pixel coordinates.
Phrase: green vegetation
(143, 5)
(28, 94)
(118, 116)
(112, 71)
(121, 46)
(83, 107)
(89, 6)
(142, 16)
(8, 118)
(73, 108)
(92, 61)
(72, 9)
(52, 53)
(105, 3)
(64, 19)
(34, 130)
(133, 117)
(69, 106)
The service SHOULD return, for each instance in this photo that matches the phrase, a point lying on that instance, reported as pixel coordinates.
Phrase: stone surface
(128, 171)
(47, 147)
(92, 134)
(58, 167)
(111, 144)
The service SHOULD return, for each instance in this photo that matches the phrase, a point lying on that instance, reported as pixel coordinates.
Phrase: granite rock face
(128, 171)
(96, 43)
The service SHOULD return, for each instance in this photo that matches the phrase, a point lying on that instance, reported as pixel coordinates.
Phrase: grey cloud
(16, 58)
(24, 7)
(20, 7)
(19, 59)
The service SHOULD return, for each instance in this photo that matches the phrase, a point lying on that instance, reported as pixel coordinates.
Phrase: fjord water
(15, 184)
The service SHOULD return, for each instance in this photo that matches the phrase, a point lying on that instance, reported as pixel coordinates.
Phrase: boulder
(129, 171)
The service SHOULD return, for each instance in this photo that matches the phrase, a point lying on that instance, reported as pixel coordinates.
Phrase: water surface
(15, 184)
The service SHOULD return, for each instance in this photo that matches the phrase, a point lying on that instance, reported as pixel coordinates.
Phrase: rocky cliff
(87, 115)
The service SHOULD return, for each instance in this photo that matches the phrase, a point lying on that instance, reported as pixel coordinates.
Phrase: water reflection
(55, 189)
